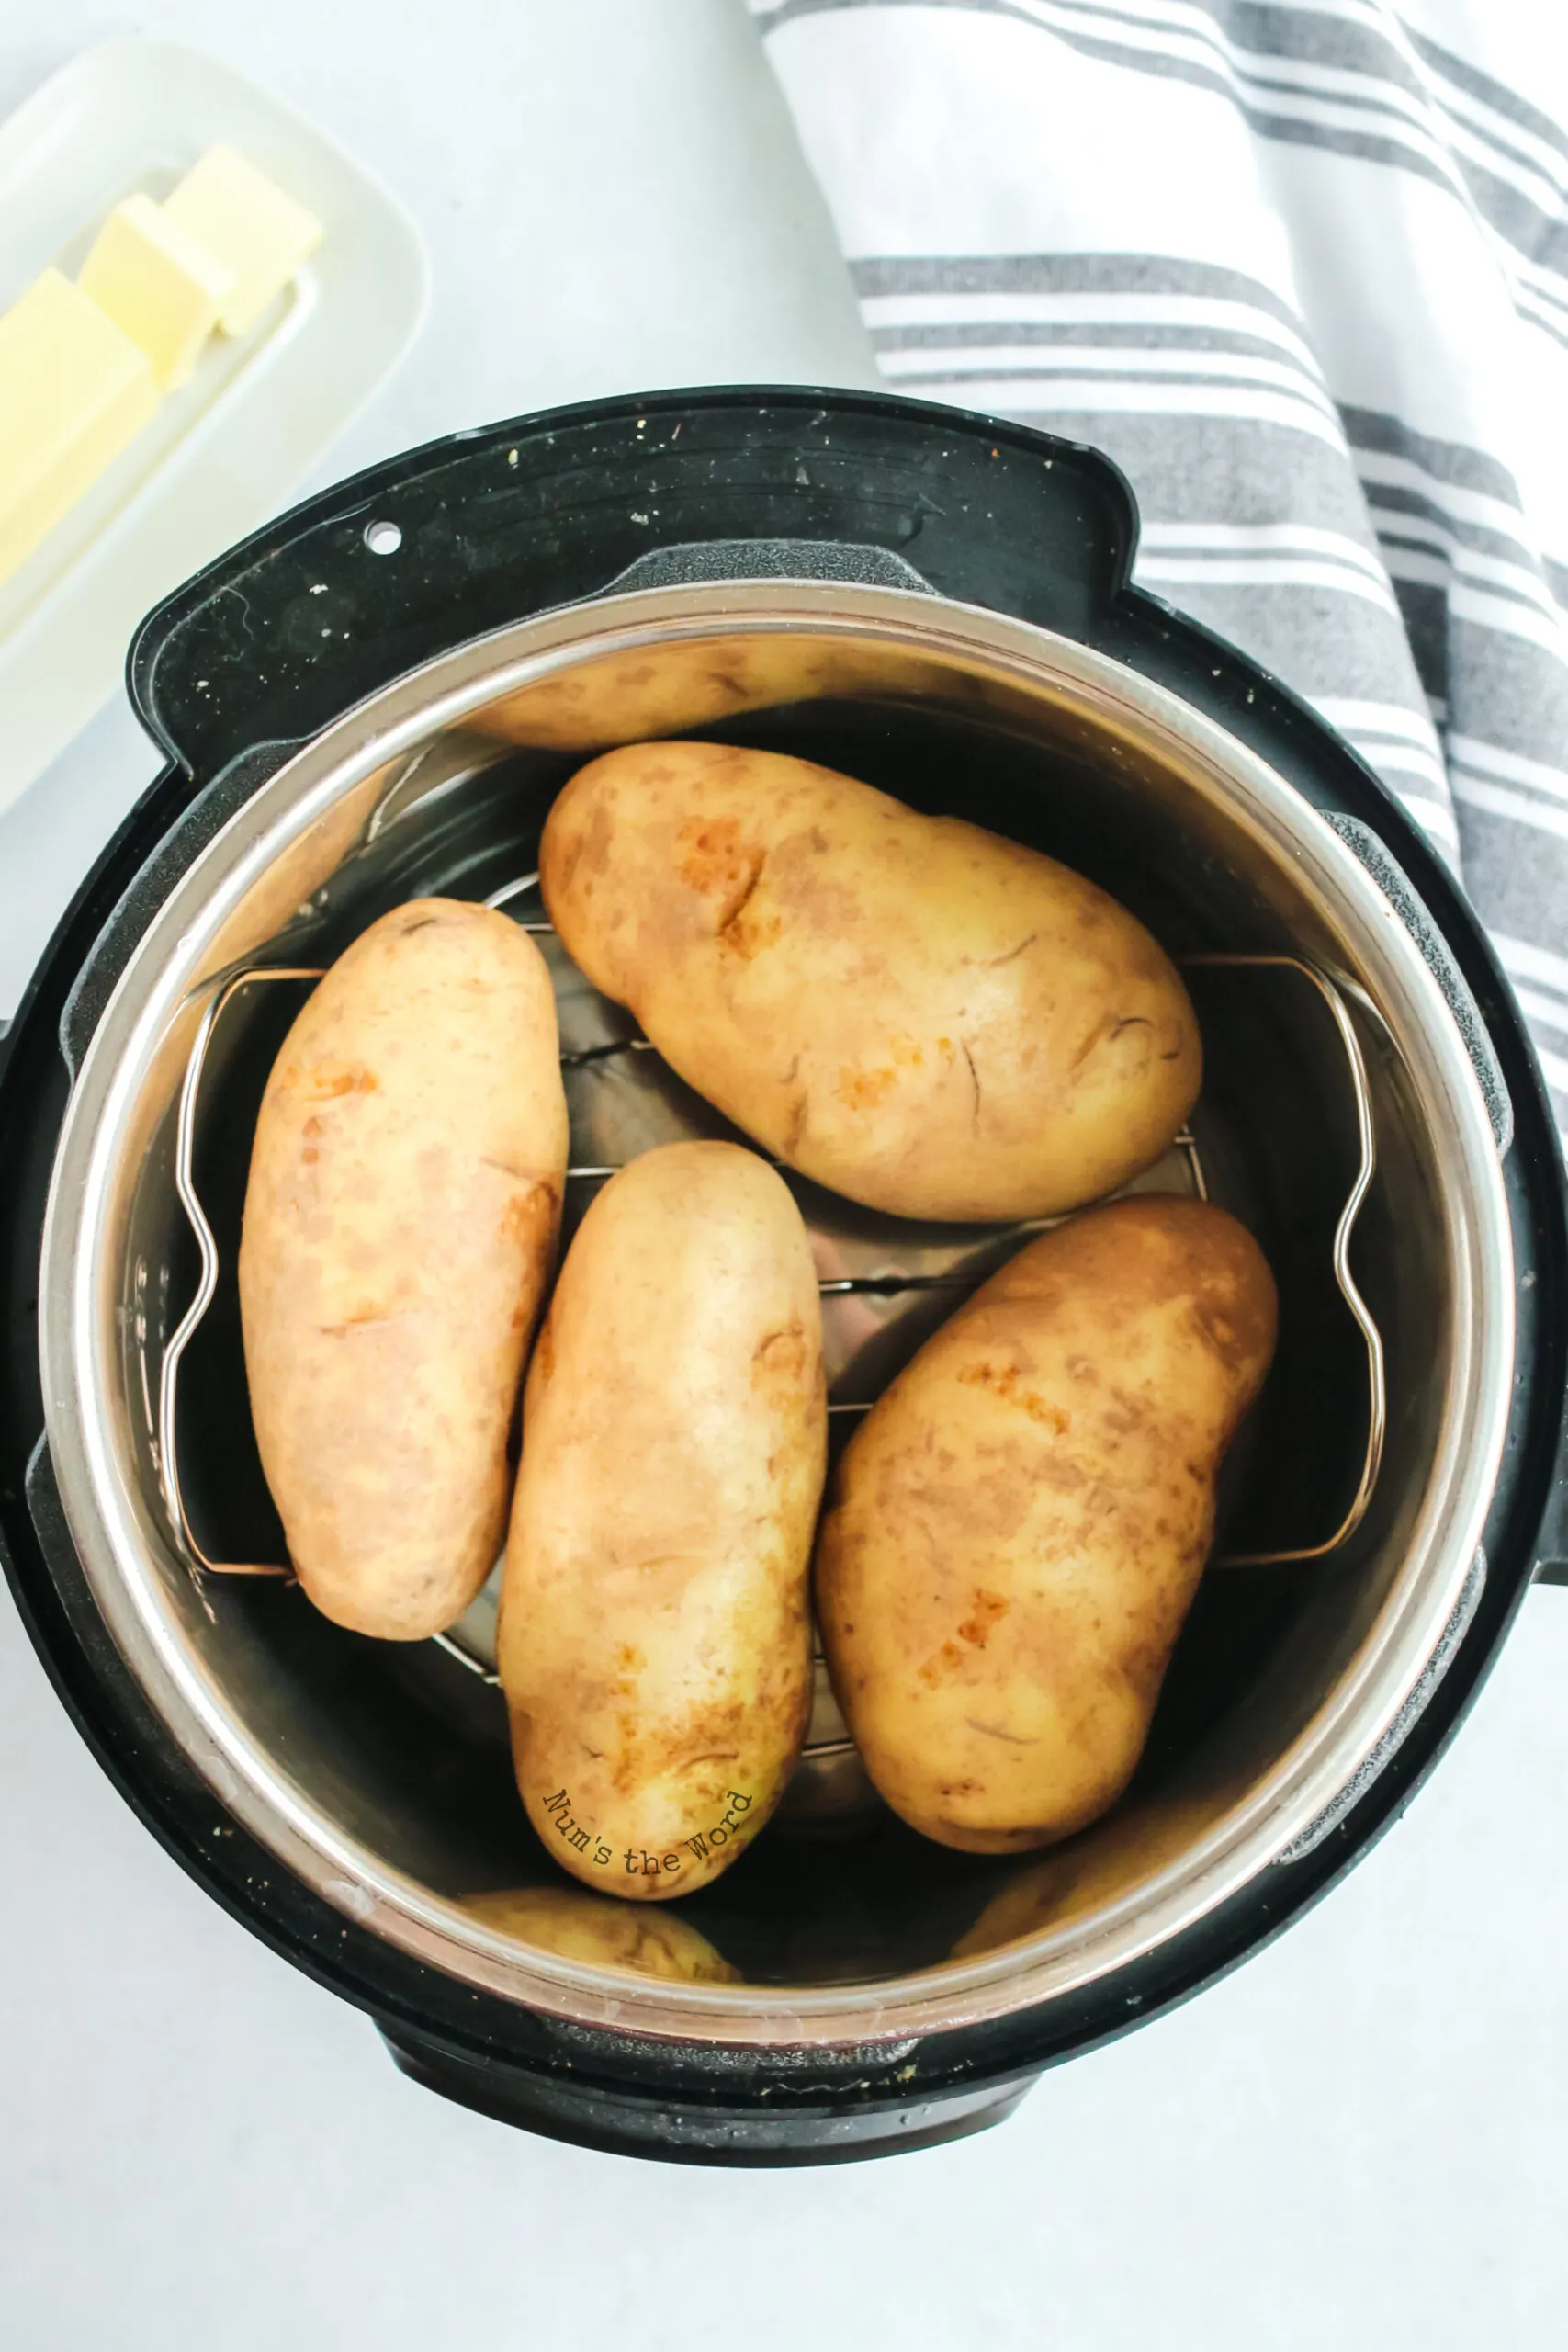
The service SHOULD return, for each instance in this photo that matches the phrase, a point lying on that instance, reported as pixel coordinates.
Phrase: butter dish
(225, 446)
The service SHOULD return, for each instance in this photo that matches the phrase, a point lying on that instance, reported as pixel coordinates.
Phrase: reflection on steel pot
(939, 605)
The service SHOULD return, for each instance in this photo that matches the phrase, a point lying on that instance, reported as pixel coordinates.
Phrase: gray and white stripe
(1350, 76)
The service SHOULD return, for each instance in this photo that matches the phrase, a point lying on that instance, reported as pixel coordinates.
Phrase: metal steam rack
(883, 1284)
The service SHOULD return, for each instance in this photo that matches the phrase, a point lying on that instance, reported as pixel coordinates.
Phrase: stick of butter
(247, 223)
(73, 389)
(159, 284)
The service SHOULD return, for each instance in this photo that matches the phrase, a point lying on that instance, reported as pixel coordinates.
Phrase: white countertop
(1358, 2141)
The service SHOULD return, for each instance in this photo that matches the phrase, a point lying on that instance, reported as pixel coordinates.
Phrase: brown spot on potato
(862, 1090)
(989, 1607)
(1106, 1032)
(1226, 1326)
(1004, 1381)
(715, 858)
(974, 1087)
(529, 1216)
(749, 929)
(327, 1084)
(782, 1355)
(361, 1320)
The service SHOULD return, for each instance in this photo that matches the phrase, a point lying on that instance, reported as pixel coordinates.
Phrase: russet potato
(595, 1928)
(917, 1013)
(655, 1643)
(399, 1229)
(1089, 1873)
(1018, 1527)
(627, 696)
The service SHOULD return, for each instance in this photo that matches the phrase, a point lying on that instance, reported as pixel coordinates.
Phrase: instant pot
(377, 699)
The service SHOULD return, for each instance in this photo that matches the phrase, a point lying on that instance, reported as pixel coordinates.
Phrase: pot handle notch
(695, 562)
(1552, 1546)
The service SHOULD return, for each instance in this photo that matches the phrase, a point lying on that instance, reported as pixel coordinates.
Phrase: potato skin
(655, 1643)
(595, 1928)
(921, 1015)
(399, 1229)
(1019, 1525)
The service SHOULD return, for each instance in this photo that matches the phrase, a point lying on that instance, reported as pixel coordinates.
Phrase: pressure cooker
(377, 699)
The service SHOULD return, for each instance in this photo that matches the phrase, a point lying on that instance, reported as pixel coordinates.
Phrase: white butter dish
(226, 447)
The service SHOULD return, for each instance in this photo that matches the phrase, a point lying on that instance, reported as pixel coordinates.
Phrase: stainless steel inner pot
(379, 1773)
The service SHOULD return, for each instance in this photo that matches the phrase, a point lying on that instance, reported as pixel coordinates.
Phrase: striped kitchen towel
(1303, 270)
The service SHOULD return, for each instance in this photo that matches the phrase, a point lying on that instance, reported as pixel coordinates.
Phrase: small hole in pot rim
(383, 538)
